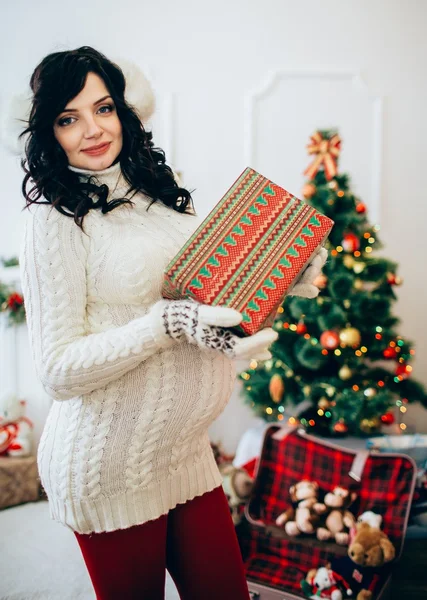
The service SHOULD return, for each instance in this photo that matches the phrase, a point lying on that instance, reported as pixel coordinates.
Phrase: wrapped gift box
(249, 251)
(19, 480)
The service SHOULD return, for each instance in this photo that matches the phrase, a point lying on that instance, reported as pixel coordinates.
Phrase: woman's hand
(206, 325)
(305, 286)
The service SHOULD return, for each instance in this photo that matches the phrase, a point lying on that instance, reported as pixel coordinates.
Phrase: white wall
(204, 59)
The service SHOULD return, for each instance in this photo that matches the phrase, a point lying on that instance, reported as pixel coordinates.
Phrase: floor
(31, 543)
(410, 577)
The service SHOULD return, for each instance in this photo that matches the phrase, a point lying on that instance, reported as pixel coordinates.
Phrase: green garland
(11, 301)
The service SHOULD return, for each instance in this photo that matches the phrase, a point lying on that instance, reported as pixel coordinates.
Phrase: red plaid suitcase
(275, 563)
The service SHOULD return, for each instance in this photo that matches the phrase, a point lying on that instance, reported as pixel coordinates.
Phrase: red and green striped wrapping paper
(248, 251)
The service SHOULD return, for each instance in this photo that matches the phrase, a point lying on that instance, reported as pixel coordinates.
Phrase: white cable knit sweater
(126, 437)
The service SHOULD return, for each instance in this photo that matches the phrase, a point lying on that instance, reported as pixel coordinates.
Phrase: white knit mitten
(305, 287)
(206, 325)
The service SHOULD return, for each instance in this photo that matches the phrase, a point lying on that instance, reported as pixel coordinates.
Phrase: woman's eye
(109, 106)
(66, 120)
(63, 122)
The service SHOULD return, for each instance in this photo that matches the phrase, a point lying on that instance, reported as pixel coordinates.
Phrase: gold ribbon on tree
(327, 151)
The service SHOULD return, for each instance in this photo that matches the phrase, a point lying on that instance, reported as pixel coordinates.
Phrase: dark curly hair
(55, 81)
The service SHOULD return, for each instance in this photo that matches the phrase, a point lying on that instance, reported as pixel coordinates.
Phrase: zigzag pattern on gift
(284, 267)
(205, 237)
(220, 257)
(249, 275)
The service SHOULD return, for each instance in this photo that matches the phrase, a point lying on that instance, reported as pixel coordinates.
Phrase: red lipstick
(96, 150)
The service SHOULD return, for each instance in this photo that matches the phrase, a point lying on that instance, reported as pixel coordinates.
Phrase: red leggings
(196, 542)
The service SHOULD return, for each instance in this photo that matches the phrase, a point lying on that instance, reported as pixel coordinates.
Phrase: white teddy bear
(16, 430)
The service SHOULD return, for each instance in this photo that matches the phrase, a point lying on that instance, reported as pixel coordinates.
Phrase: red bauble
(387, 419)
(390, 353)
(15, 301)
(340, 427)
(301, 328)
(393, 279)
(402, 370)
(360, 207)
(351, 242)
(330, 340)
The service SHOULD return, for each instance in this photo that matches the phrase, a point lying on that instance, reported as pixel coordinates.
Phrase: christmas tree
(341, 351)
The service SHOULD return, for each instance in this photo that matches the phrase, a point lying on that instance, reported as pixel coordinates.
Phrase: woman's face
(90, 119)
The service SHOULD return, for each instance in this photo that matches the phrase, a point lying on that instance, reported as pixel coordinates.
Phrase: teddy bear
(367, 558)
(237, 485)
(370, 547)
(325, 583)
(16, 430)
(337, 520)
(303, 515)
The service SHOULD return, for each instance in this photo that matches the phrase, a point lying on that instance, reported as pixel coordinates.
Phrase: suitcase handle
(360, 456)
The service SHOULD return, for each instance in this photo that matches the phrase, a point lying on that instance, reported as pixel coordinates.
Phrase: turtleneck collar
(111, 176)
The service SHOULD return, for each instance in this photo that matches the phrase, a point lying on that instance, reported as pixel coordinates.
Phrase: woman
(125, 456)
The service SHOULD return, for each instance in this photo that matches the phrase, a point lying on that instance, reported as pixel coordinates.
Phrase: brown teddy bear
(337, 520)
(368, 554)
(303, 516)
(370, 547)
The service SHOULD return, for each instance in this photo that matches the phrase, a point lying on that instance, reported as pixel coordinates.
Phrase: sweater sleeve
(68, 360)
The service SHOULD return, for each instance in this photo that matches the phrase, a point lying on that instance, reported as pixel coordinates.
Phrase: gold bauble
(350, 336)
(370, 425)
(370, 392)
(358, 267)
(349, 261)
(276, 388)
(330, 390)
(306, 390)
(333, 184)
(308, 190)
(366, 425)
(358, 284)
(345, 372)
(347, 303)
(323, 403)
